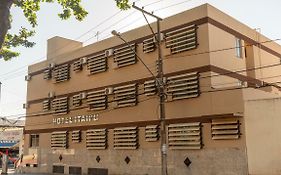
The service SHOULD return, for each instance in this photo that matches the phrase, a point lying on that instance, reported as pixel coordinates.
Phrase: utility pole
(160, 85)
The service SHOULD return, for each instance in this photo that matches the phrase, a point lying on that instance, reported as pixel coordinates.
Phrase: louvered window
(60, 105)
(59, 140)
(126, 138)
(125, 56)
(97, 63)
(150, 87)
(125, 96)
(149, 45)
(76, 100)
(97, 100)
(183, 86)
(151, 133)
(76, 136)
(77, 66)
(182, 39)
(225, 129)
(47, 74)
(96, 139)
(185, 136)
(46, 105)
(61, 73)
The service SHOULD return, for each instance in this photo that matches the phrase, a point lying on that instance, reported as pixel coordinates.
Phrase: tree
(30, 8)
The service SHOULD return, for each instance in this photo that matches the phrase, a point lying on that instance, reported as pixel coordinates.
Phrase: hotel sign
(75, 119)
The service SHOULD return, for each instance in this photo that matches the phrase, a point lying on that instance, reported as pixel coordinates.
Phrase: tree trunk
(5, 6)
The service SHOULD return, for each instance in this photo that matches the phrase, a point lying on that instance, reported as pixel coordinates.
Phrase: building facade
(95, 109)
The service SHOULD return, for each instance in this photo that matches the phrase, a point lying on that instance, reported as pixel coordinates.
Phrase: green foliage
(123, 4)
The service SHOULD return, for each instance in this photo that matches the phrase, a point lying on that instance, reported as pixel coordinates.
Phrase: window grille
(126, 138)
(76, 100)
(225, 129)
(77, 66)
(61, 73)
(185, 136)
(59, 140)
(97, 63)
(238, 47)
(97, 100)
(182, 39)
(125, 55)
(60, 105)
(96, 138)
(150, 87)
(183, 86)
(125, 96)
(34, 140)
(151, 133)
(149, 45)
(46, 105)
(76, 136)
(47, 74)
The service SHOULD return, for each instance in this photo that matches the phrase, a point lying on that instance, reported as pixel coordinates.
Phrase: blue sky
(256, 14)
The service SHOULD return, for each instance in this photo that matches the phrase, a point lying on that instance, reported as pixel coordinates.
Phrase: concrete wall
(263, 138)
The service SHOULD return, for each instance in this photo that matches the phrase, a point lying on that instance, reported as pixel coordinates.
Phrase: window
(238, 47)
(34, 140)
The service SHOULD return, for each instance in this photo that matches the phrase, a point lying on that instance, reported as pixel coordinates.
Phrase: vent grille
(47, 74)
(126, 138)
(225, 129)
(96, 139)
(46, 105)
(182, 39)
(76, 136)
(125, 56)
(60, 105)
(185, 136)
(97, 63)
(77, 66)
(149, 45)
(97, 100)
(61, 73)
(59, 140)
(125, 96)
(151, 133)
(150, 87)
(183, 86)
(76, 100)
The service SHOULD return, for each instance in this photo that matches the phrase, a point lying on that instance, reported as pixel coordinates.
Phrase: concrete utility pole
(160, 86)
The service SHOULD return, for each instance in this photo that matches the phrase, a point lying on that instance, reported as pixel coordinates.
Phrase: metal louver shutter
(125, 56)
(150, 87)
(149, 45)
(77, 66)
(59, 140)
(61, 73)
(151, 133)
(185, 136)
(47, 74)
(97, 63)
(76, 100)
(96, 139)
(76, 136)
(46, 105)
(125, 96)
(182, 39)
(60, 105)
(126, 138)
(183, 86)
(223, 129)
(97, 100)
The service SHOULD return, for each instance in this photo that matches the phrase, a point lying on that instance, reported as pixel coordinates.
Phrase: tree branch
(5, 6)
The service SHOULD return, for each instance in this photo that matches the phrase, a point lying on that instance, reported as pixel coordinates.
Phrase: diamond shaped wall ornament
(98, 159)
(127, 159)
(187, 162)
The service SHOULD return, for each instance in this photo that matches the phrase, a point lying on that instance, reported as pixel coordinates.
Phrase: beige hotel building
(95, 109)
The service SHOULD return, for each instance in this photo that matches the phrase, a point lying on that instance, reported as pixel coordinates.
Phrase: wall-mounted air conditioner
(83, 60)
(108, 91)
(83, 95)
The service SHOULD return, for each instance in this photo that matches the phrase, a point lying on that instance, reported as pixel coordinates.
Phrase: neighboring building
(95, 109)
